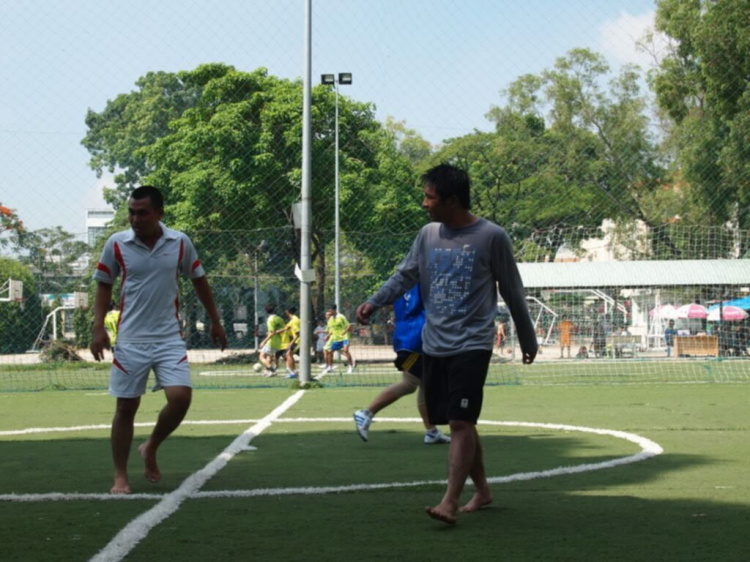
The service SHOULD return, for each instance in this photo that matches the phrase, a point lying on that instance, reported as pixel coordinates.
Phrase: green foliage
(59, 352)
(19, 322)
(51, 253)
(702, 84)
(565, 151)
(226, 151)
(83, 326)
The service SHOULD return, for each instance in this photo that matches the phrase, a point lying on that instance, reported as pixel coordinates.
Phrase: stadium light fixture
(344, 79)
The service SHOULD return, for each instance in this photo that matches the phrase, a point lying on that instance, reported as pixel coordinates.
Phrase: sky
(439, 65)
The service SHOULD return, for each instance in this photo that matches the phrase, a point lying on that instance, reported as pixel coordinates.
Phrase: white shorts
(133, 361)
(268, 350)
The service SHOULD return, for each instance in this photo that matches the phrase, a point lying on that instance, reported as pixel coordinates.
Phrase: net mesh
(580, 155)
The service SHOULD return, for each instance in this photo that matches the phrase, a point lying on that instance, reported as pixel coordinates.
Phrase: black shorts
(454, 385)
(410, 362)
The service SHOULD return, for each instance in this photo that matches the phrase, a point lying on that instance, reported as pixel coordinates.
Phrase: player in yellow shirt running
(338, 339)
(291, 338)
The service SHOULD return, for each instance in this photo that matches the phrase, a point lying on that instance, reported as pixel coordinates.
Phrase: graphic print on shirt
(450, 272)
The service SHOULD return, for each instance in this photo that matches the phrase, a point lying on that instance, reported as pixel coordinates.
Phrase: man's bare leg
(329, 359)
(482, 492)
(170, 417)
(461, 457)
(349, 358)
(121, 439)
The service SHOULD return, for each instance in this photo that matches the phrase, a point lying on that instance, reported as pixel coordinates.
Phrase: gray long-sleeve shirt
(460, 271)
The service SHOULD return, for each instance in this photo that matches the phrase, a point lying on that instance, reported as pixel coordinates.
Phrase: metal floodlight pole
(338, 223)
(255, 299)
(346, 79)
(305, 258)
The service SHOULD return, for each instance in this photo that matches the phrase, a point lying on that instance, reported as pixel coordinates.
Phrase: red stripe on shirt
(101, 267)
(116, 363)
(121, 261)
(196, 265)
(177, 275)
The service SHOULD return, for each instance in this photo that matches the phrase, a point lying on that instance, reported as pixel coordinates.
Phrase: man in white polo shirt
(149, 258)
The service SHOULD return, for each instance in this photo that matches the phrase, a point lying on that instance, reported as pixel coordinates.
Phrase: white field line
(32, 430)
(648, 449)
(138, 528)
(60, 497)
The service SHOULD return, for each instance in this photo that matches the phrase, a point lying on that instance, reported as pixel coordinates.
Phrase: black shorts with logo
(454, 385)
(409, 361)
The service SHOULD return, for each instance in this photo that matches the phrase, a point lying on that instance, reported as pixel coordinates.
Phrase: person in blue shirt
(669, 335)
(407, 343)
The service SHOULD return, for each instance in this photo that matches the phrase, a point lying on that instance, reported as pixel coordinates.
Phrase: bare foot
(151, 470)
(477, 502)
(441, 514)
(121, 485)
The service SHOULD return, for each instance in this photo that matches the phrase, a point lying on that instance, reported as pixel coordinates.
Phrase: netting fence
(623, 188)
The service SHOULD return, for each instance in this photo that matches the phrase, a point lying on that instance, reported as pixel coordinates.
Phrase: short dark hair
(448, 181)
(331, 306)
(270, 308)
(291, 309)
(153, 193)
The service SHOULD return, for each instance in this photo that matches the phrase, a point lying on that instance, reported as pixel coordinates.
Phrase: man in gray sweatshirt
(461, 260)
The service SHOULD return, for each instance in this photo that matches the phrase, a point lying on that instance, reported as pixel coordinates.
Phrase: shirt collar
(166, 233)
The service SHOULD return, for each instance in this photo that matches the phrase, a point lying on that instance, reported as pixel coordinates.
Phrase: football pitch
(605, 472)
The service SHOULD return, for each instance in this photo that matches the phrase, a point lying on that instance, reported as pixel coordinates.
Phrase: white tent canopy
(633, 274)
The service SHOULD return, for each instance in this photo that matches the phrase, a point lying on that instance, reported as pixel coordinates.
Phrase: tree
(51, 253)
(228, 159)
(410, 143)
(702, 84)
(117, 137)
(10, 224)
(19, 322)
(565, 152)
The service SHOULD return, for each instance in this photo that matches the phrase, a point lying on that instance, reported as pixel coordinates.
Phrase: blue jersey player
(407, 343)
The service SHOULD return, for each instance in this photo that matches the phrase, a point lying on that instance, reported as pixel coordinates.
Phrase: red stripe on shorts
(116, 363)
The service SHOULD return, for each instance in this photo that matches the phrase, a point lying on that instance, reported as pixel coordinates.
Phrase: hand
(364, 311)
(99, 342)
(218, 336)
(528, 358)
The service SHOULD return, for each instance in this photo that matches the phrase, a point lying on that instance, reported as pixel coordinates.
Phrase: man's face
(437, 209)
(330, 314)
(144, 219)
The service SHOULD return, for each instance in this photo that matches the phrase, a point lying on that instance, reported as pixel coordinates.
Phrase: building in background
(97, 221)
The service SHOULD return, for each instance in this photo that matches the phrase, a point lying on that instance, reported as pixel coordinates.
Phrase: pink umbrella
(691, 311)
(664, 311)
(730, 313)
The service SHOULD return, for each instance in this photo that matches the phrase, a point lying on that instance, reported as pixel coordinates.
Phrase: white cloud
(618, 39)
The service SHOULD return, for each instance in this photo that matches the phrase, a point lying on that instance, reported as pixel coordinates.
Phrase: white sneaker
(350, 370)
(362, 421)
(436, 437)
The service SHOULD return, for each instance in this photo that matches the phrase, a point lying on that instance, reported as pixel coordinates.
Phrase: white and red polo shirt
(149, 293)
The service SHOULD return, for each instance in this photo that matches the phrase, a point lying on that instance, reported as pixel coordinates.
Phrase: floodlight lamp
(345, 78)
(328, 79)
